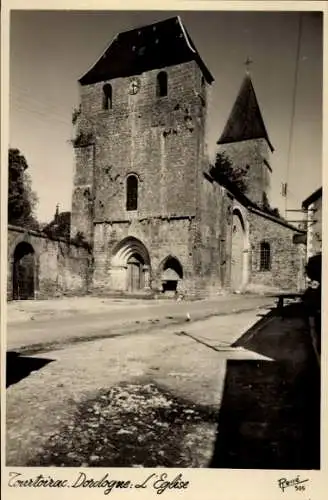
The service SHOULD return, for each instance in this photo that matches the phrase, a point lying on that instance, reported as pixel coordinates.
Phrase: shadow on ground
(270, 410)
(19, 367)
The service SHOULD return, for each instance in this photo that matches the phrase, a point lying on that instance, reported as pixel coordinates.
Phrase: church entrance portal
(130, 266)
(238, 244)
(135, 273)
(23, 272)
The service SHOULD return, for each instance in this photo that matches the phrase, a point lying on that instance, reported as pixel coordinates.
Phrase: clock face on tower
(134, 86)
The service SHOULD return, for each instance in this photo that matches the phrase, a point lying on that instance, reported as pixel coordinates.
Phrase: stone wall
(161, 140)
(83, 193)
(60, 268)
(161, 238)
(287, 259)
(180, 212)
(156, 138)
(212, 238)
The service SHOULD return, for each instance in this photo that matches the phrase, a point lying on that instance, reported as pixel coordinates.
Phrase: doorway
(237, 277)
(135, 273)
(24, 272)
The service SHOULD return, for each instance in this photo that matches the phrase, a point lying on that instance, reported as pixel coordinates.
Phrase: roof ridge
(142, 26)
(169, 44)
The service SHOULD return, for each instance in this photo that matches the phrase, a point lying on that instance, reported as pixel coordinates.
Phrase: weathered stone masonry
(153, 213)
(183, 216)
(143, 116)
(160, 140)
(55, 267)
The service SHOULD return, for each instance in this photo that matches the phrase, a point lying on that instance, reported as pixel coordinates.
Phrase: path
(255, 374)
(132, 316)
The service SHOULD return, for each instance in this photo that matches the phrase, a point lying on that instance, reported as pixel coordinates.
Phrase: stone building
(312, 207)
(157, 215)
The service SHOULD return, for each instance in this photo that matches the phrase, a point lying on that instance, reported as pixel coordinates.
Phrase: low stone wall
(60, 267)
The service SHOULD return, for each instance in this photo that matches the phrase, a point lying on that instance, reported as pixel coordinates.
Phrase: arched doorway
(23, 272)
(135, 274)
(130, 266)
(171, 274)
(238, 256)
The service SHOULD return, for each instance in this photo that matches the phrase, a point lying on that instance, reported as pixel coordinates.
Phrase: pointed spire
(56, 213)
(245, 121)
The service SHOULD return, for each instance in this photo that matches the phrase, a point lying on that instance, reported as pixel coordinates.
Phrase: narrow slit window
(265, 256)
(132, 192)
(107, 96)
(161, 90)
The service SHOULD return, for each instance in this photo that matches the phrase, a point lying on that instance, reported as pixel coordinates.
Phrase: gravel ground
(165, 397)
(45, 403)
(136, 425)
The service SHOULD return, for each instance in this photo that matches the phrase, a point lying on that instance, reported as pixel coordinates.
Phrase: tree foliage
(232, 176)
(83, 139)
(80, 240)
(60, 226)
(228, 174)
(267, 207)
(22, 200)
(75, 115)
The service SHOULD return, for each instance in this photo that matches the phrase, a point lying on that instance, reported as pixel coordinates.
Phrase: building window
(132, 192)
(265, 257)
(161, 89)
(107, 96)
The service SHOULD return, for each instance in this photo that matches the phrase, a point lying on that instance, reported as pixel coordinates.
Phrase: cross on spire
(57, 213)
(247, 63)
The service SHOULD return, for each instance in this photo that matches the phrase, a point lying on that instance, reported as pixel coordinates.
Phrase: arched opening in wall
(265, 256)
(130, 266)
(135, 277)
(238, 244)
(171, 274)
(23, 272)
(131, 192)
(107, 96)
(161, 87)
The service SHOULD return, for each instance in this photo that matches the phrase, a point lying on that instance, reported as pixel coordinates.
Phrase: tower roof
(155, 46)
(245, 121)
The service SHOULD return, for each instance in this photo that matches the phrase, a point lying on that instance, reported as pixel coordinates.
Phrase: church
(158, 216)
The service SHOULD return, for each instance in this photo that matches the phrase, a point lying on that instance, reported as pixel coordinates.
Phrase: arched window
(107, 96)
(265, 257)
(161, 89)
(132, 192)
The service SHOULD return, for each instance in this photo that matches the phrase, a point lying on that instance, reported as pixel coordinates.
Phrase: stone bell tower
(142, 129)
(246, 143)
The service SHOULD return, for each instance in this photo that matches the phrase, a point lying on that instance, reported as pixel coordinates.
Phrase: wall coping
(245, 202)
(40, 234)
(282, 222)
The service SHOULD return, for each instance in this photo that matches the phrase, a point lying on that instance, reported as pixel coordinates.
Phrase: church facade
(156, 213)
